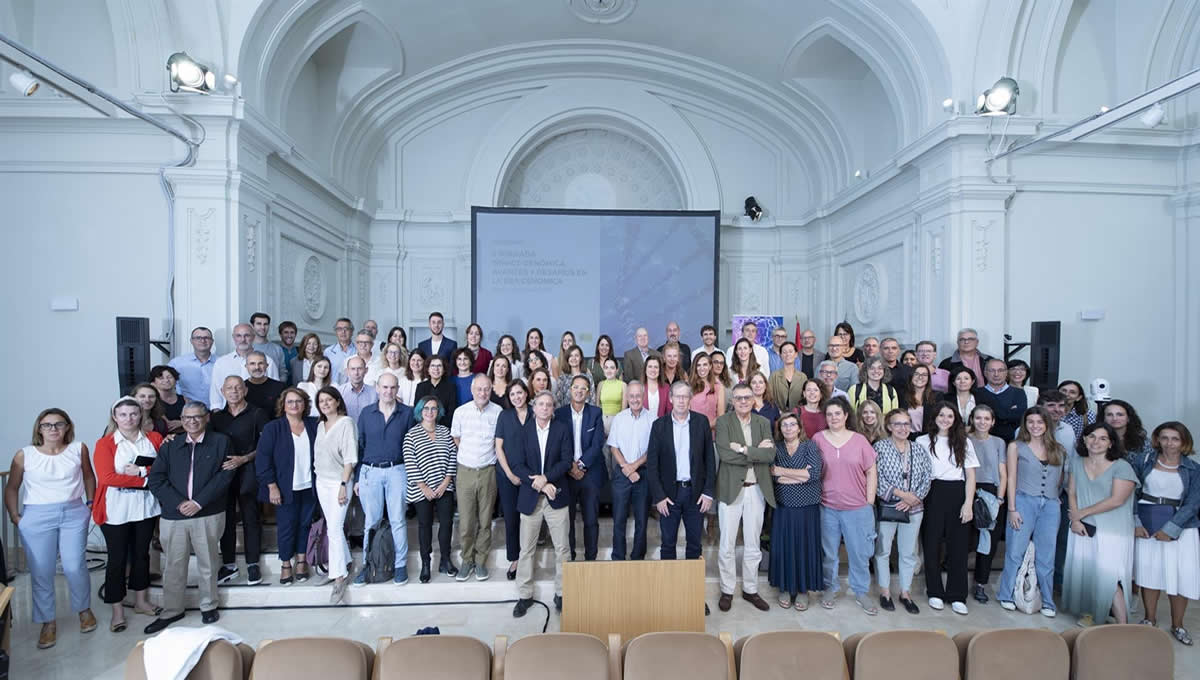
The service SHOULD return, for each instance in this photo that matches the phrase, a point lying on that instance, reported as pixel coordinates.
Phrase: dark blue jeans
(507, 494)
(292, 522)
(588, 497)
(625, 492)
(688, 511)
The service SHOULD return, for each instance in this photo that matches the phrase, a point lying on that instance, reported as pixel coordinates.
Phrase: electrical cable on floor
(272, 607)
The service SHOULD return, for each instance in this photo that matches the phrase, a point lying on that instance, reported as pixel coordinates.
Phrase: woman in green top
(610, 393)
(1099, 565)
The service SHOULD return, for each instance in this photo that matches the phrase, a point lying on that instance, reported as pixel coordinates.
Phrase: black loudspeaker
(133, 351)
(1045, 341)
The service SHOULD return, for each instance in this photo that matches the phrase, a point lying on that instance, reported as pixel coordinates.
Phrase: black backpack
(381, 558)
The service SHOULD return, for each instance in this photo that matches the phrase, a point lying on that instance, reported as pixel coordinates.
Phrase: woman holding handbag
(904, 469)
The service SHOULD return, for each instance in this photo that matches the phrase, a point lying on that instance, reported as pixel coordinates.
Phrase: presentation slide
(593, 273)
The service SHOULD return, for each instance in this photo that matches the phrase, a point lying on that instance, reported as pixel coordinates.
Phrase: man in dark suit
(685, 352)
(542, 459)
(190, 481)
(588, 469)
(438, 344)
(681, 465)
(635, 359)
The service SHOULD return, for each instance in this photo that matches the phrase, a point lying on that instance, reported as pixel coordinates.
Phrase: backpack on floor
(317, 553)
(381, 557)
(1026, 595)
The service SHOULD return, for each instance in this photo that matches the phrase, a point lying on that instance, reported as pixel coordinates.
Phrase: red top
(483, 360)
(812, 422)
(106, 474)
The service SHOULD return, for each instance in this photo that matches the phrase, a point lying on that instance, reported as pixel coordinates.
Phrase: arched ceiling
(809, 74)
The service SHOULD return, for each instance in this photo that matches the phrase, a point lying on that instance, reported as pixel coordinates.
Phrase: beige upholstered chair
(1027, 653)
(220, 661)
(807, 654)
(1119, 652)
(434, 656)
(545, 656)
(688, 656)
(850, 646)
(905, 655)
(312, 658)
(962, 640)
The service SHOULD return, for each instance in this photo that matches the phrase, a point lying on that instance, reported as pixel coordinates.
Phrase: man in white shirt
(474, 432)
(372, 328)
(750, 332)
(261, 323)
(628, 438)
(234, 363)
(341, 350)
(589, 471)
(708, 335)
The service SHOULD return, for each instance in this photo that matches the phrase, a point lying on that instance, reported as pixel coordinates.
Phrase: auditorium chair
(1122, 651)
(850, 646)
(962, 640)
(433, 656)
(686, 656)
(905, 655)
(221, 661)
(807, 654)
(1069, 636)
(312, 658)
(545, 656)
(1027, 653)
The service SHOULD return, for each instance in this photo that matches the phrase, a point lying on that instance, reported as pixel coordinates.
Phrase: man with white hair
(234, 363)
(635, 359)
(474, 432)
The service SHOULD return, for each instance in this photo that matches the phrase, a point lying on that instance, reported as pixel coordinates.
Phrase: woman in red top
(125, 509)
(483, 358)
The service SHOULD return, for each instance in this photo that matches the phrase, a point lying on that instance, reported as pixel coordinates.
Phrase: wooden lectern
(633, 597)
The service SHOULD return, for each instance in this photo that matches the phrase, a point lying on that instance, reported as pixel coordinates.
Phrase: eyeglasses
(202, 338)
(46, 427)
(430, 409)
(743, 397)
(192, 417)
(343, 328)
(901, 424)
(968, 339)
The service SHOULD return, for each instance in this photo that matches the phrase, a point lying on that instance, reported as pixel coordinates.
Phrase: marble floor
(400, 610)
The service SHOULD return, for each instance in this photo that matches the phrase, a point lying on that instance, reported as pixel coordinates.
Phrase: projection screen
(593, 272)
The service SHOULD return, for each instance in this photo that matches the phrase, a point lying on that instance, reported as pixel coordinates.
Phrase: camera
(1099, 390)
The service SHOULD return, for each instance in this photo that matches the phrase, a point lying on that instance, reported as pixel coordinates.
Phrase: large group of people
(865, 445)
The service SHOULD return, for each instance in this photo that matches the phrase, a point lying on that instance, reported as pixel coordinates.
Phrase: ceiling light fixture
(190, 75)
(1154, 116)
(999, 100)
(24, 83)
(948, 105)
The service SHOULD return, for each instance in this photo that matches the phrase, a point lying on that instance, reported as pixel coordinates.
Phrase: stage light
(190, 75)
(24, 83)
(858, 174)
(753, 209)
(999, 100)
(1103, 109)
(948, 105)
(1153, 116)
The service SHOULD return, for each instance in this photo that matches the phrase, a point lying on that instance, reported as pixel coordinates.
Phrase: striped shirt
(428, 460)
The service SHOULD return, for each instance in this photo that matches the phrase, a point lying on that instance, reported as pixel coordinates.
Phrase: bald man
(635, 359)
(234, 363)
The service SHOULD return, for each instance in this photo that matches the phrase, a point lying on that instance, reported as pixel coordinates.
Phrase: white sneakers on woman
(959, 608)
(936, 603)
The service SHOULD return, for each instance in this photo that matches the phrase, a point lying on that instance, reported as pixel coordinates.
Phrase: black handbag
(982, 514)
(889, 513)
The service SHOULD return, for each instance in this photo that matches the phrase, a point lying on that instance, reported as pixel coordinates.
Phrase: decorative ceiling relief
(602, 11)
(595, 169)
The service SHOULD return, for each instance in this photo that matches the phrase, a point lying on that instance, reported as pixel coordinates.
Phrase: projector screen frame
(714, 214)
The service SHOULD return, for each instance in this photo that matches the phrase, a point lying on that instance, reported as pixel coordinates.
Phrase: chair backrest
(221, 661)
(694, 656)
(1069, 636)
(313, 658)
(850, 646)
(1123, 651)
(906, 655)
(1027, 653)
(812, 655)
(548, 655)
(962, 640)
(440, 656)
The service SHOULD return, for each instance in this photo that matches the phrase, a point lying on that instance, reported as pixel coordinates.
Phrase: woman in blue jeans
(1035, 477)
(57, 478)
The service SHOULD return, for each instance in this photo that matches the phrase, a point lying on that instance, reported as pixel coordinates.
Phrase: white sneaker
(959, 608)
(1049, 613)
(936, 603)
(1008, 606)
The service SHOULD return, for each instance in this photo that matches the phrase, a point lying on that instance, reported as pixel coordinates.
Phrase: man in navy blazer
(438, 344)
(541, 459)
(681, 486)
(588, 469)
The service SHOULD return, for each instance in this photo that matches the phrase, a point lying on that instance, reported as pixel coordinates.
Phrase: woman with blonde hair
(392, 359)
(869, 421)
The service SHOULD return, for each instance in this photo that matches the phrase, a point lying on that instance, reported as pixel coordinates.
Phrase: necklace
(1168, 467)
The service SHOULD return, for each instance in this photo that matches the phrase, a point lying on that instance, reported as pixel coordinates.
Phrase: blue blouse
(799, 495)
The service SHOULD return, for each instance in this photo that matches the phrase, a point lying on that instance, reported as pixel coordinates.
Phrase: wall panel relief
(201, 232)
(308, 285)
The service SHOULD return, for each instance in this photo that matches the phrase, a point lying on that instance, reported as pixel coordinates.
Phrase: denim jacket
(1186, 514)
